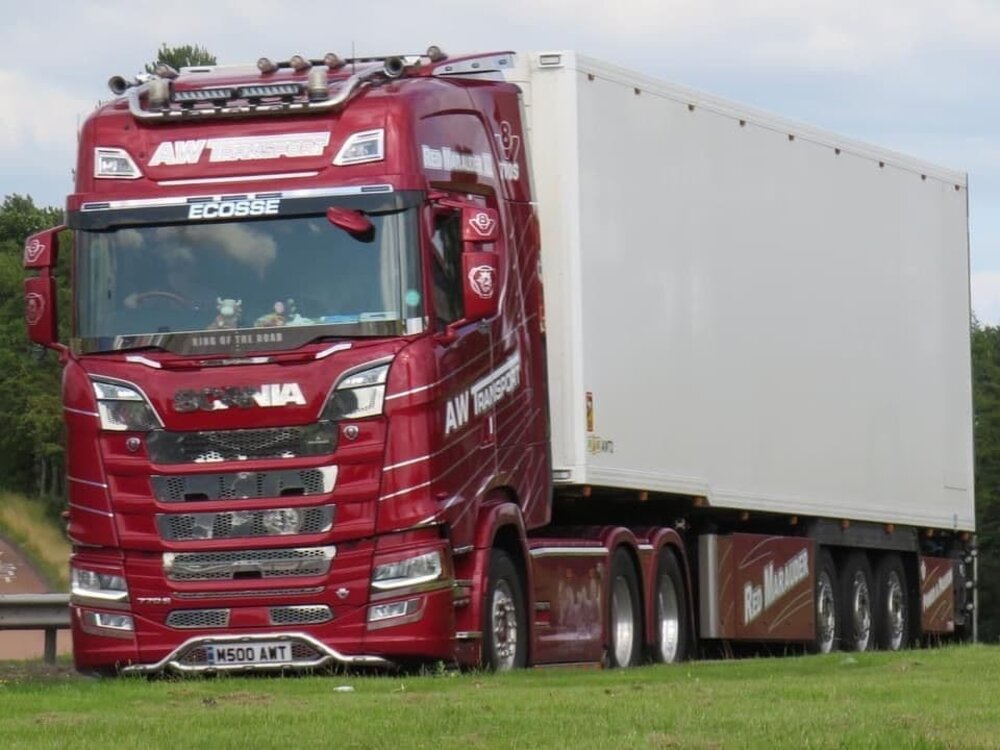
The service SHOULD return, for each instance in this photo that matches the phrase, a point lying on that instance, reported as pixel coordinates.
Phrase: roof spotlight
(332, 61)
(436, 54)
(165, 71)
(299, 63)
(266, 65)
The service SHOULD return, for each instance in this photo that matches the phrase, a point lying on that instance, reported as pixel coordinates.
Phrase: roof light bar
(203, 95)
(264, 90)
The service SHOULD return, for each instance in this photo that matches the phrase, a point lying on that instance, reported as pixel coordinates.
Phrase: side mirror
(480, 278)
(41, 251)
(40, 310)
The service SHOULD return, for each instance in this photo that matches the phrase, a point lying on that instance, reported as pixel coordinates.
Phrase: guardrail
(48, 612)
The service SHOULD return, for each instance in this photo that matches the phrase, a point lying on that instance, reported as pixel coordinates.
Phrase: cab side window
(447, 269)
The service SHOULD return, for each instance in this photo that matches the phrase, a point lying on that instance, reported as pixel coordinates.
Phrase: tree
(181, 57)
(986, 416)
(31, 431)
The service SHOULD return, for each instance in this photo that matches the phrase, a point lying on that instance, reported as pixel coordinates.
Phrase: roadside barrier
(48, 612)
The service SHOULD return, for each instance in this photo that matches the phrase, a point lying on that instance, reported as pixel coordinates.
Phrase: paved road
(18, 577)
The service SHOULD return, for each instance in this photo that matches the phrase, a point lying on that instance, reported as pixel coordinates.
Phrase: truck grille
(183, 527)
(198, 618)
(206, 446)
(241, 564)
(301, 615)
(243, 485)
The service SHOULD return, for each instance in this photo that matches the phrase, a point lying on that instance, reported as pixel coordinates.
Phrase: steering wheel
(139, 299)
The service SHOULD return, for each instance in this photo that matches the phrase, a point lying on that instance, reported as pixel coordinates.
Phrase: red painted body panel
(937, 595)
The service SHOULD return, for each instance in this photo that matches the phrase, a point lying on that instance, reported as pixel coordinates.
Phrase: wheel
(856, 603)
(827, 611)
(624, 613)
(670, 608)
(504, 628)
(892, 607)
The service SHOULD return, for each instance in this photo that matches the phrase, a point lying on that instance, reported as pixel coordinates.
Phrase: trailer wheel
(856, 602)
(670, 607)
(892, 610)
(624, 613)
(504, 629)
(827, 609)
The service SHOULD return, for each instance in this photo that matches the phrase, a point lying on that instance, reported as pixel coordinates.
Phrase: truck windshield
(254, 284)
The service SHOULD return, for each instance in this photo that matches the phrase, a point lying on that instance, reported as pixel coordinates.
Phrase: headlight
(409, 572)
(122, 408)
(94, 585)
(359, 395)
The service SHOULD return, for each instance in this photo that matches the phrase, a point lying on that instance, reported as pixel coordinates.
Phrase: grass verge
(945, 698)
(25, 523)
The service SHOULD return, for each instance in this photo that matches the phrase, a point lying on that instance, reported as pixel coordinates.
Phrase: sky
(915, 76)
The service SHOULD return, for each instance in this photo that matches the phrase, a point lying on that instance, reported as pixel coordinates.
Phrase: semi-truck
(501, 360)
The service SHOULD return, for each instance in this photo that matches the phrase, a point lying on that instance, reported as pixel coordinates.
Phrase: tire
(505, 633)
(892, 605)
(827, 605)
(670, 612)
(624, 613)
(856, 614)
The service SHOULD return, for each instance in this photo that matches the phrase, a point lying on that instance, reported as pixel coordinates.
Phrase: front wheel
(504, 628)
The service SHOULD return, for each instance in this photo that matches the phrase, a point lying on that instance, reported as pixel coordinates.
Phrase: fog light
(380, 613)
(110, 624)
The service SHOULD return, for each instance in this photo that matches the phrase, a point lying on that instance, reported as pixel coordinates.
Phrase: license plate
(264, 652)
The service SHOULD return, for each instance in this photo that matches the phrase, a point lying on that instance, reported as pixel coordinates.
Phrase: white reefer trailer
(760, 316)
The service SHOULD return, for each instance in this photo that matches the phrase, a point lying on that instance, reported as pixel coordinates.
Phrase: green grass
(26, 523)
(946, 698)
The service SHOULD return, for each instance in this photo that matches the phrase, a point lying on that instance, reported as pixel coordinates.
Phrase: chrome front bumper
(307, 653)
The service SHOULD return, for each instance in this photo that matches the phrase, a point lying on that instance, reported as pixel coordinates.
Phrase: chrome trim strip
(425, 587)
(242, 178)
(406, 492)
(184, 200)
(104, 513)
(645, 547)
(569, 552)
(140, 360)
(342, 347)
(87, 482)
(401, 464)
(468, 635)
(71, 410)
(172, 660)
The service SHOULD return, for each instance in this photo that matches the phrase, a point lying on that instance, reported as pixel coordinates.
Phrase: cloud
(37, 114)
(986, 297)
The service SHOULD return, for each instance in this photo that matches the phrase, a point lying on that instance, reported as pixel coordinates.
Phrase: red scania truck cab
(303, 361)
(318, 413)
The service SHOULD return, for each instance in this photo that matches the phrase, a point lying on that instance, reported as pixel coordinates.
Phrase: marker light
(115, 164)
(361, 148)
